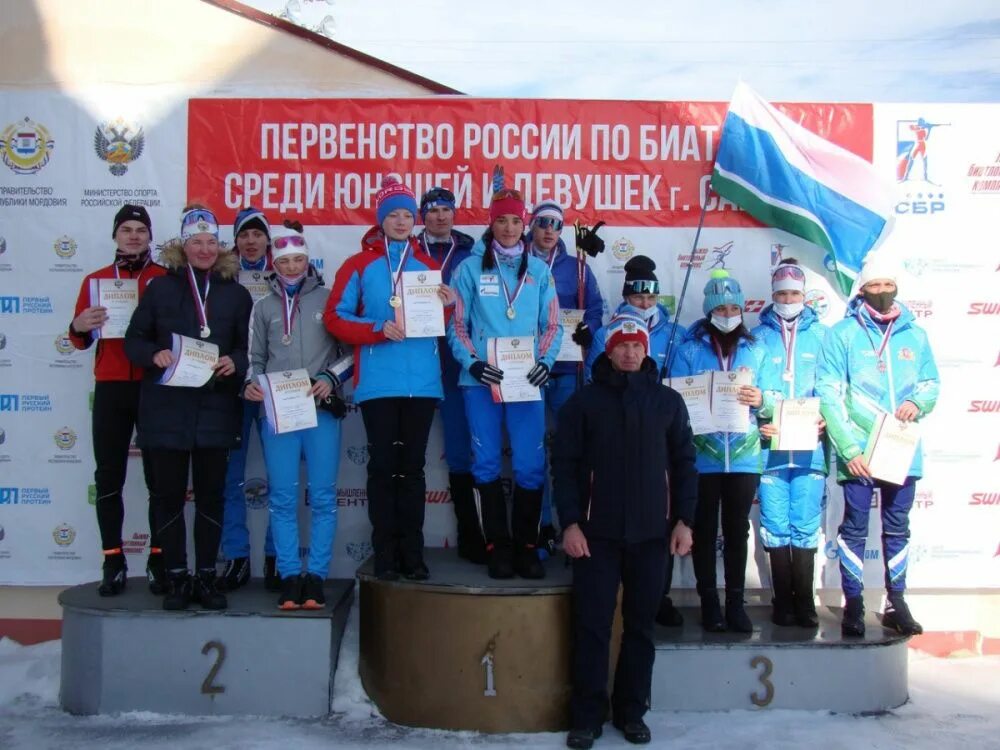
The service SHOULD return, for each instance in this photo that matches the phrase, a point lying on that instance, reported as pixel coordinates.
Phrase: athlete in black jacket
(626, 488)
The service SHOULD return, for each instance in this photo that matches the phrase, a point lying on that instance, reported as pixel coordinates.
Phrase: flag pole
(668, 361)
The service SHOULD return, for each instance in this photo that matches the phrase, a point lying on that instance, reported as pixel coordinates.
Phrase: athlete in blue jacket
(794, 482)
(546, 245)
(504, 291)
(397, 380)
(876, 361)
(729, 463)
(449, 248)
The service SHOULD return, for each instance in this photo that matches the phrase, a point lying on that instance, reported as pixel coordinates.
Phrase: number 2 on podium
(207, 688)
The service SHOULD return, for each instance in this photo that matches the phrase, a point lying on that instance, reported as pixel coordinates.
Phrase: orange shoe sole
(312, 604)
(288, 606)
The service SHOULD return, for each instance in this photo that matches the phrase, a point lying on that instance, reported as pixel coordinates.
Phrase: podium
(125, 653)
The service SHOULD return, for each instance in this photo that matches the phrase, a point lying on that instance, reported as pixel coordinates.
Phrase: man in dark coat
(626, 486)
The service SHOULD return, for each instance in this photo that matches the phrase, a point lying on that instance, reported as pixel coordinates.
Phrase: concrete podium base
(125, 653)
(463, 651)
(778, 667)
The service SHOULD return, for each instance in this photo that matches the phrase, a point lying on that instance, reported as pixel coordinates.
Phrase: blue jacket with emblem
(853, 390)
(450, 369)
(659, 340)
(726, 452)
(357, 309)
(481, 309)
(795, 381)
(565, 270)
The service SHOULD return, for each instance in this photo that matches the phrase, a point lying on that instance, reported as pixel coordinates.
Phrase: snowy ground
(954, 703)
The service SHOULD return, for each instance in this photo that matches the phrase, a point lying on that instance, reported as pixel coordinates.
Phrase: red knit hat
(626, 328)
(505, 200)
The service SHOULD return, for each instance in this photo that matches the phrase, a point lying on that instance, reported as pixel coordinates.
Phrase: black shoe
(500, 564)
(291, 593)
(178, 594)
(204, 590)
(272, 581)
(156, 574)
(548, 541)
(668, 615)
(471, 546)
(418, 571)
(635, 732)
(711, 613)
(582, 739)
(526, 563)
(853, 623)
(737, 619)
(114, 575)
(312, 592)
(803, 596)
(236, 573)
(782, 612)
(897, 617)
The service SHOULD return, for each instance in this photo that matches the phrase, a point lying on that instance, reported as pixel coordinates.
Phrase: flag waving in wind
(788, 177)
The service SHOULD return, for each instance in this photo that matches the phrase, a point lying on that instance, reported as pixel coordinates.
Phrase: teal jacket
(854, 391)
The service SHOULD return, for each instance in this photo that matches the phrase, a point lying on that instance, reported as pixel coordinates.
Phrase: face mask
(788, 310)
(726, 325)
(881, 301)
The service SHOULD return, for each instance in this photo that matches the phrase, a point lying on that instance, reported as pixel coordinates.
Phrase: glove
(587, 239)
(486, 373)
(582, 335)
(333, 404)
(539, 374)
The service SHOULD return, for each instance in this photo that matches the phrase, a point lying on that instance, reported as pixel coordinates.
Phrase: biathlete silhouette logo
(912, 138)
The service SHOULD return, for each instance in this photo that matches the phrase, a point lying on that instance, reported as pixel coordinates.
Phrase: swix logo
(438, 496)
(753, 305)
(987, 407)
(984, 308)
(985, 498)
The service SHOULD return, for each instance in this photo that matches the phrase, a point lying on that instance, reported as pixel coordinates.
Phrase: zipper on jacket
(888, 372)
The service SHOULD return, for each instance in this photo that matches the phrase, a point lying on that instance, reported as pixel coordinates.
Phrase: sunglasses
(280, 243)
(438, 195)
(549, 222)
(788, 272)
(643, 286)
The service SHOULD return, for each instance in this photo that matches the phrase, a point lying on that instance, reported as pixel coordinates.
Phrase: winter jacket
(623, 459)
(659, 339)
(481, 310)
(450, 369)
(808, 341)
(357, 309)
(182, 418)
(565, 269)
(312, 346)
(726, 452)
(110, 362)
(854, 392)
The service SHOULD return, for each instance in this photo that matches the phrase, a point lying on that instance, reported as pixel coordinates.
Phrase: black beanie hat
(128, 212)
(639, 277)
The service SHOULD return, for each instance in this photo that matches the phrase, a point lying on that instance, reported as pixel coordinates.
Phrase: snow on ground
(954, 703)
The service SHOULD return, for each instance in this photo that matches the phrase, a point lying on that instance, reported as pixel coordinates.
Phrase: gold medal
(510, 313)
(395, 300)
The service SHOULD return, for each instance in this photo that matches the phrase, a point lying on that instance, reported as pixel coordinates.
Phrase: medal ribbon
(447, 256)
(396, 277)
(290, 310)
(200, 304)
(517, 290)
(788, 332)
(885, 338)
(149, 259)
(726, 363)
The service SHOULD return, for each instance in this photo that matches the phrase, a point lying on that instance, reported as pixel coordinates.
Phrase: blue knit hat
(722, 289)
(436, 196)
(392, 195)
(251, 218)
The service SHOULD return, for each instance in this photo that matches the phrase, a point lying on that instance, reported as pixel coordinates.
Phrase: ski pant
(732, 494)
(283, 453)
(556, 393)
(235, 534)
(170, 480)
(791, 506)
(639, 569)
(525, 422)
(116, 405)
(457, 440)
(895, 505)
(397, 429)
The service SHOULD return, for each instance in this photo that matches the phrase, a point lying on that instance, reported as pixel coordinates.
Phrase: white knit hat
(286, 241)
(877, 266)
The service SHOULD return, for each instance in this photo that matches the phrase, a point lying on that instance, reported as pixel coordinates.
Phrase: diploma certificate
(515, 355)
(255, 282)
(193, 362)
(120, 297)
(696, 392)
(569, 350)
(891, 447)
(729, 414)
(796, 420)
(287, 402)
(422, 311)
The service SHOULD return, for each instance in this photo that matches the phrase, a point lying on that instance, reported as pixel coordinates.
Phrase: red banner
(628, 163)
